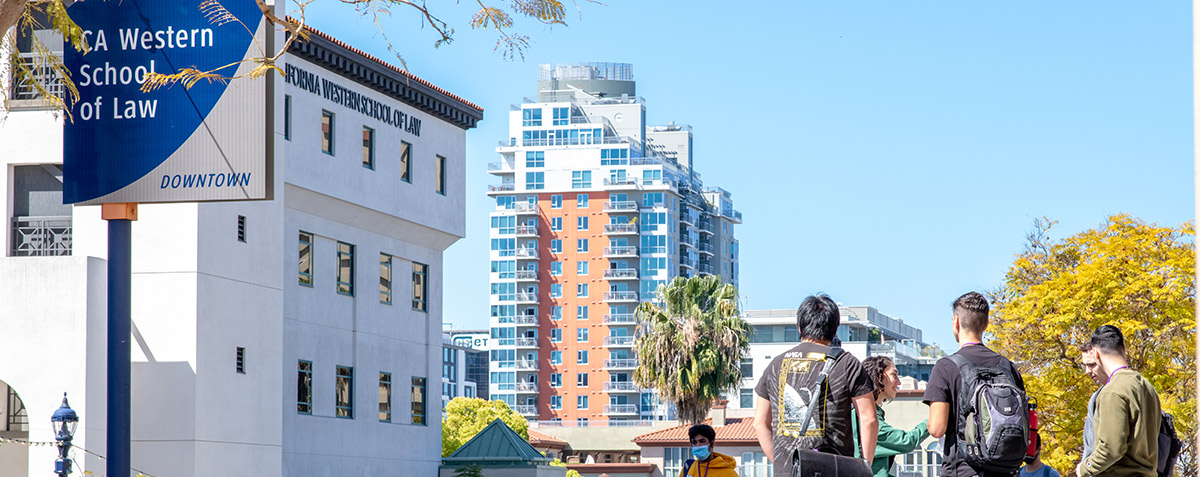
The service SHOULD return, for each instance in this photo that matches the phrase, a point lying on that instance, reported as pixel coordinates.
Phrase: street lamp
(64, 421)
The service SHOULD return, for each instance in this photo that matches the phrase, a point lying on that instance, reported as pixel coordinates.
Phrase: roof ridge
(383, 63)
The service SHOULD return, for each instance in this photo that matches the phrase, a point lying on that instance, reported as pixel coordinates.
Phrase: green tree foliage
(1137, 276)
(469, 471)
(690, 346)
(465, 417)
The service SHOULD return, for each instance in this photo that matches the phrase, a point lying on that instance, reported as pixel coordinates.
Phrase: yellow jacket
(719, 465)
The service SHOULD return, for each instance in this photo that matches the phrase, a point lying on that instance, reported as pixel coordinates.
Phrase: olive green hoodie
(1127, 420)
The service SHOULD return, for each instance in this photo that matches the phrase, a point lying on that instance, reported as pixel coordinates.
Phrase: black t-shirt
(943, 387)
(783, 383)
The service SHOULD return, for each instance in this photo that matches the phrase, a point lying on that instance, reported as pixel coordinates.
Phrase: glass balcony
(526, 409)
(527, 342)
(525, 208)
(620, 229)
(527, 387)
(620, 409)
(492, 189)
(526, 275)
(618, 341)
(526, 365)
(623, 251)
(526, 298)
(622, 387)
(525, 252)
(527, 231)
(706, 247)
(621, 183)
(620, 319)
(504, 167)
(621, 206)
(41, 236)
(621, 273)
(620, 296)
(526, 320)
(628, 363)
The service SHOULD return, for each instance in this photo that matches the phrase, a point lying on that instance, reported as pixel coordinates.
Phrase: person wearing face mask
(892, 442)
(705, 462)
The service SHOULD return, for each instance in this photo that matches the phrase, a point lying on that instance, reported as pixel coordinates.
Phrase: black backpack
(1168, 446)
(993, 417)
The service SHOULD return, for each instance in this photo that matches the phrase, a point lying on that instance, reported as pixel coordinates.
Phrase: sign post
(206, 142)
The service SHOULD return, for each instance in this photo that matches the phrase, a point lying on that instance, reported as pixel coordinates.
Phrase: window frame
(385, 285)
(309, 274)
(406, 161)
(420, 282)
(368, 148)
(287, 117)
(385, 397)
(331, 136)
(304, 388)
(419, 396)
(345, 287)
(344, 410)
(439, 182)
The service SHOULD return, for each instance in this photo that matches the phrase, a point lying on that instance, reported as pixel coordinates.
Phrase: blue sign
(173, 144)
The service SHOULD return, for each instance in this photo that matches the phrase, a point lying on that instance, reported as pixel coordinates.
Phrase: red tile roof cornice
(736, 431)
(538, 439)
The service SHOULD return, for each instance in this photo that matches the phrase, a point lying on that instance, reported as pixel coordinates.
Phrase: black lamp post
(64, 421)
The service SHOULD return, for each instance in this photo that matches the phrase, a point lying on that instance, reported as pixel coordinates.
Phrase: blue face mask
(701, 452)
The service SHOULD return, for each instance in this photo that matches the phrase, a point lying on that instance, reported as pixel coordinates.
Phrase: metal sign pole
(120, 218)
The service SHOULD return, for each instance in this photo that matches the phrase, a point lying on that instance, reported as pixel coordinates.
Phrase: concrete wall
(539, 471)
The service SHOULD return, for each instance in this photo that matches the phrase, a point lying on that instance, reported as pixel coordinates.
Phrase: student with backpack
(977, 403)
(1128, 416)
(803, 401)
(705, 462)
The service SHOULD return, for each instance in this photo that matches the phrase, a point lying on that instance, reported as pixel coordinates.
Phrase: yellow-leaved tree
(465, 417)
(1137, 276)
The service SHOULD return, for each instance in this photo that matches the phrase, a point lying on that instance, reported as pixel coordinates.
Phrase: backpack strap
(688, 466)
(830, 358)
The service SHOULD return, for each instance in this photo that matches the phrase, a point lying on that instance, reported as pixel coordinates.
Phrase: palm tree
(691, 347)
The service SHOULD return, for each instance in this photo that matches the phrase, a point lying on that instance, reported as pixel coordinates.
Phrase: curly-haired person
(892, 442)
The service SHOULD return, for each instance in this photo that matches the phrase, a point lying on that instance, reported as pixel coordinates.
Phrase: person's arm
(939, 416)
(894, 441)
(1112, 433)
(868, 425)
(762, 426)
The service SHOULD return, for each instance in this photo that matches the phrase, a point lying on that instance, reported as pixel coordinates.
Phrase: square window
(581, 245)
(556, 201)
(581, 312)
(581, 290)
(556, 401)
(535, 180)
(405, 161)
(746, 396)
(327, 132)
(555, 290)
(556, 313)
(556, 357)
(420, 286)
(581, 335)
(304, 387)
(345, 270)
(344, 392)
(556, 380)
(581, 268)
(581, 201)
(581, 402)
(581, 357)
(368, 150)
(581, 179)
(535, 159)
(555, 224)
(581, 223)
(556, 335)
(581, 379)
(556, 246)
(555, 269)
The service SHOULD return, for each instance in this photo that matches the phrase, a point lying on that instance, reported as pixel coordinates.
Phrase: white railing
(621, 251)
(619, 273)
(526, 320)
(527, 230)
(620, 228)
(525, 252)
(618, 318)
(501, 188)
(525, 208)
(622, 386)
(526, 365)
(621, 206)
(527, 387)
(526, 297)
(525, 409)
(621, 182)
(526, 275)
(620, 408)
(41, 236)
(39, 72)
(618, 341)
(620, 296)
(628, 363)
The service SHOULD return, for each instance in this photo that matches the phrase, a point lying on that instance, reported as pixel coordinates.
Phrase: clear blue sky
(892, 154)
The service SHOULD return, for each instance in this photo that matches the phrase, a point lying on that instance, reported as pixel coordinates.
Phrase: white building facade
(295, 336)
(594, 210)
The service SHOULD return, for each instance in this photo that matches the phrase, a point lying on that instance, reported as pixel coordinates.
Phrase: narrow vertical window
(385, 397)
(240, 360)
(419, 276)
(418, 401)
(345, 392)
(304, 387)
(327, 132)
(287, 117)
(241, 228)
(385, 278)
(368, 143)
(345, 270)
(405, 162)
(441, 175)
(306, 264)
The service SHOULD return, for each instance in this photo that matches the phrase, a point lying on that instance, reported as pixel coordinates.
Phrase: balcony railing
(527, 342)
(621, 206)
(525, 208)
(706, 247)
(502, 167)
(620, 318)
(621, 251)
(706, 268)
(628, 363)
(41, 72)
(621, 182)
(526, 365)
(526, 320)
(527, 231)
(525, 409)
(527, 387)
(621, 296)
(732, 215)
(688, 262)
(525, 252)
(527, 298)
(620, 408)
(526, 275)
(622, 386)
(501, 188)
(619, 229)
(620, 273)
(618, 341)
(41, 236)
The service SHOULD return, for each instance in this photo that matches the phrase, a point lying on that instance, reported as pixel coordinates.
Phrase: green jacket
(1127, 420)
(892, 442)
